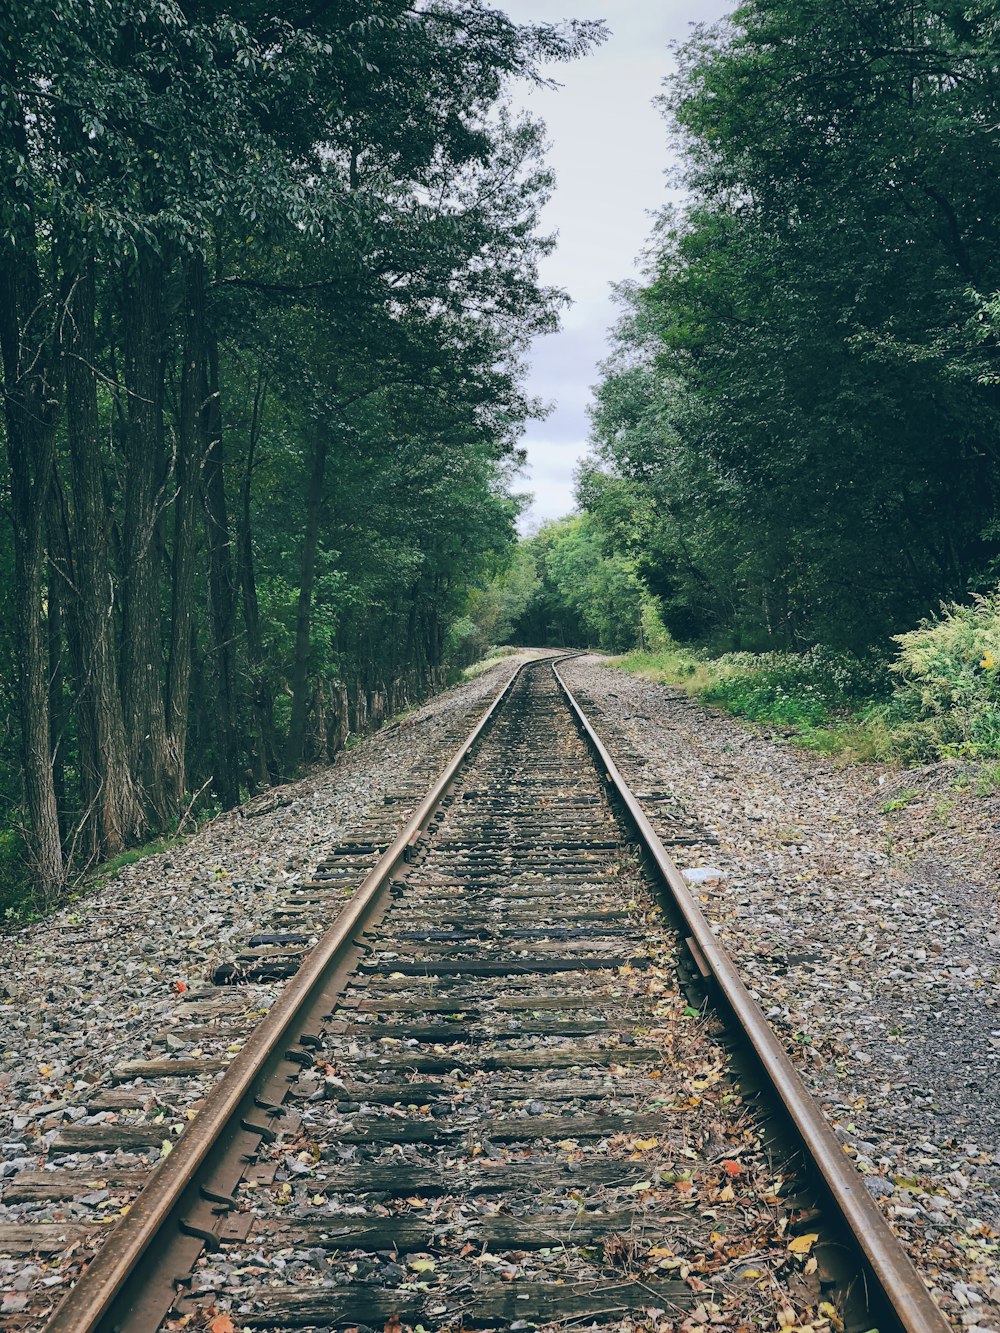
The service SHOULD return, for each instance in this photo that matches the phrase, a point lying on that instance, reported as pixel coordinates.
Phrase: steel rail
(888, 1266)
(94, 1304)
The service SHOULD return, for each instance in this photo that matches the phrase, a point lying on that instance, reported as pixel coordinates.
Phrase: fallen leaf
(732, 1168)
(803, 1244)
(222, 1324)
(422, 1265)
(644, 1145)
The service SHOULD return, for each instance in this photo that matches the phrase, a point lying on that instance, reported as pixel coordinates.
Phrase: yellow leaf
(751, 1274)
(422, 1265)
(830, 1312)
(644, 1145)
(661, 1252)
(803, 1244)
(166, 1148)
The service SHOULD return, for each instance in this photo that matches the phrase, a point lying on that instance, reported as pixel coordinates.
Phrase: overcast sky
(609, 151)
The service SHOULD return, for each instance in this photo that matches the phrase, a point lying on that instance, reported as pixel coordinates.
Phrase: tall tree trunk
(142, 689)
(30, 402)
(190, 448)
(222, 592)
(266, 767)
(114, 805)
(85, 843)
(303, 615)
(58, 712)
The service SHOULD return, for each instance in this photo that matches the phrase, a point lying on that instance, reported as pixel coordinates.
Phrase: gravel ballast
(95, 986)
(869, 936)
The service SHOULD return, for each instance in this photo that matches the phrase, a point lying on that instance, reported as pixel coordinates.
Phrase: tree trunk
(222, 593)
(307, 576)
(142, 650)
(113, 804)
(266, 768)
(190, 448)
(58, 712)
(30, 408)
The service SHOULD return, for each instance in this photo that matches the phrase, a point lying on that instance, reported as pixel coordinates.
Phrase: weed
(941, 810)
(899, 802)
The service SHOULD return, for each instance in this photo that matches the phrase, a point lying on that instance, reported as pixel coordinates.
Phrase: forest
(266, 282)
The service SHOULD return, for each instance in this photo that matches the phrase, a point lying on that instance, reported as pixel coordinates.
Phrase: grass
(492, 657)
(834, 704)
(899, 802)
(817, 700)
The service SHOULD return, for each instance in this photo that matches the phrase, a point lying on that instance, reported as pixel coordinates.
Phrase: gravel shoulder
(869, 936)
(94, 986)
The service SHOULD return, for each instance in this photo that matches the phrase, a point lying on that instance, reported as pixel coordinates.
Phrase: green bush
(949, 677)
(939, 700)
(803, 690)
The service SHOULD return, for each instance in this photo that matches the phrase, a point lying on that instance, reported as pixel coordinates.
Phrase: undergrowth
(937, 698)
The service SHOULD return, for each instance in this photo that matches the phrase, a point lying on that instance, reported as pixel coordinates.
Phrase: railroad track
(517, 1082)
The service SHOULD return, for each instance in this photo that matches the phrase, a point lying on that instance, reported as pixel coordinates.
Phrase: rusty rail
(889, 1269)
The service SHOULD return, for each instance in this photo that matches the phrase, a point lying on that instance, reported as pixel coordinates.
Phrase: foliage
(949, 670)
(797, 437)
(266, 286)
(564, 589)
(940, 698)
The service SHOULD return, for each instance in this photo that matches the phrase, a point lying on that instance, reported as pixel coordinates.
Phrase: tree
(801, 407)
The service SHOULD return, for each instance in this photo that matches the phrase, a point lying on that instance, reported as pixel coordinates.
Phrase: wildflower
(989, 661)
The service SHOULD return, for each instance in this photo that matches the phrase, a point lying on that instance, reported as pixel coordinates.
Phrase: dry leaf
(803, 1244)
(222, 1324)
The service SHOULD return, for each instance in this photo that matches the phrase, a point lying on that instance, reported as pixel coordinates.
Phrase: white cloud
(610, 152)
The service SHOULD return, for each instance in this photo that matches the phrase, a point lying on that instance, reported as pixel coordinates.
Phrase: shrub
(949, 673)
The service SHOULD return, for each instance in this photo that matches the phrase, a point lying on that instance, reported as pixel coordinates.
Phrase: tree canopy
(266, 281)
(796, 435)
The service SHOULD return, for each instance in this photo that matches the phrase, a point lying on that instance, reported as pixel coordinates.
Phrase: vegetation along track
(516, 1083)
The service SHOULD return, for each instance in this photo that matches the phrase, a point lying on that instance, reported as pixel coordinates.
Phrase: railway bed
(515, 1083)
